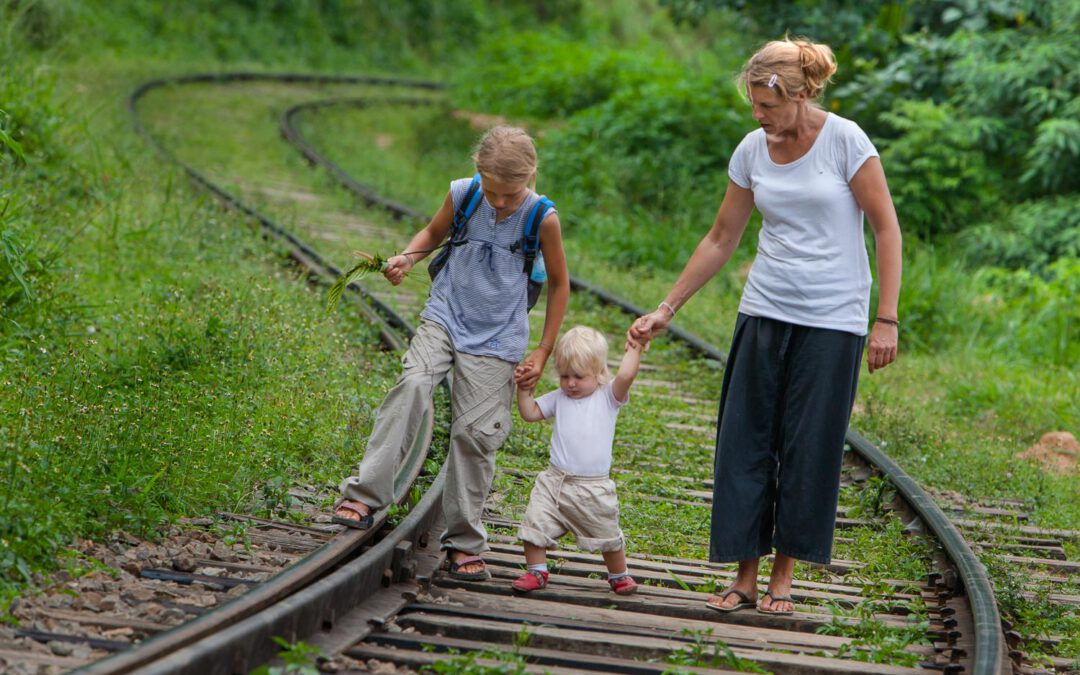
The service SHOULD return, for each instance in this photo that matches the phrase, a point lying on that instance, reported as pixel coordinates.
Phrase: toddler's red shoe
(532, 580)
(623, 585)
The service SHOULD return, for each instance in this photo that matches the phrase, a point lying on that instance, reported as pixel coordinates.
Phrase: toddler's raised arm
(628, 368)
(527, 406)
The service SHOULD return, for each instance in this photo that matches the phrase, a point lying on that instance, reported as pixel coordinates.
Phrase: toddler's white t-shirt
(584, 429)
(811, 267)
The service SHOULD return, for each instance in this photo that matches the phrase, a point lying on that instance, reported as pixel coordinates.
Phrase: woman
(798, 341)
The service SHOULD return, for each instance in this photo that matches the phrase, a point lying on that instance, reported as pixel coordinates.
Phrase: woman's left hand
(881, 347)
(528, 372)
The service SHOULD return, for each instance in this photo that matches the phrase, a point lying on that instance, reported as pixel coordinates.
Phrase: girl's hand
(528, 372)
(881, 347)
(396, 268)
(645, 328)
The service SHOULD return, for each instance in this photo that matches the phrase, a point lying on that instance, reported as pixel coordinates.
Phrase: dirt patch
(1056, 451)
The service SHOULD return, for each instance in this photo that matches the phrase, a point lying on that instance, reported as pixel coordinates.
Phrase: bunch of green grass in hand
(369, 264)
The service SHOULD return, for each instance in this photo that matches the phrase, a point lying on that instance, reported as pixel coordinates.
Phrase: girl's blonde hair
(506, 154)
(790, 66)
(583, 351)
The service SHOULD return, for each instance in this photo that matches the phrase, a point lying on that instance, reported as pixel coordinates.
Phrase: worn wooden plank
(104, 620)
(15, 656)
(637, 647)
(650, 600)
(660, 575)
(320, 532)
(536, 609)
(406, 649)
(1021, 529)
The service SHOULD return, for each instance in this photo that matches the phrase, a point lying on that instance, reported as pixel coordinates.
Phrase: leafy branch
(368, 264)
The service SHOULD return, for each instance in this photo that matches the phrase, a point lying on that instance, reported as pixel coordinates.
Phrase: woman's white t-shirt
(811, 267)
(584, 429)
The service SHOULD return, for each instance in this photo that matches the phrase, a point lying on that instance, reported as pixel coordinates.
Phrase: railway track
(379, 597)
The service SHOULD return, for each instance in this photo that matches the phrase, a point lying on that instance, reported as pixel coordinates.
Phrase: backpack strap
(461, 216)
(530, 239)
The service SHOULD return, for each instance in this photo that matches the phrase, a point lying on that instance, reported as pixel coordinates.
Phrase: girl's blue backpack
(529, 244)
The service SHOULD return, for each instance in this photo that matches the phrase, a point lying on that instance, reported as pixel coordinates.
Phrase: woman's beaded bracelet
(891, 322)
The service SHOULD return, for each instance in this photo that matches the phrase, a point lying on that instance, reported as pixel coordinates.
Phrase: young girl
(575, 494)
(474, 323)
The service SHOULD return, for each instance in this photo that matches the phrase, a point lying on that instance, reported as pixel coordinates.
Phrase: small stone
(174, 615)
(138, 595)
(59, 600)
(61, 648)
(184, 563)
(90, 600)
(109, 603)
(223, 552)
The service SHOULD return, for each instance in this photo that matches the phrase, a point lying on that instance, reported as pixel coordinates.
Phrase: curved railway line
(379, 596)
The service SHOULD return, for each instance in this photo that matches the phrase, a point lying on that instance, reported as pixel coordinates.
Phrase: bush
(541, 74)
(938, 175)
(1030, 235)
(649, 147)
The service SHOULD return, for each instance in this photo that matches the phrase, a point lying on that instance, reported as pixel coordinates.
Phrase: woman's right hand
(397, 266)
(645, 328)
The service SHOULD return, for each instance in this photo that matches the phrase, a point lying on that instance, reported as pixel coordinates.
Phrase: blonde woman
(802, 325)
(474, 323)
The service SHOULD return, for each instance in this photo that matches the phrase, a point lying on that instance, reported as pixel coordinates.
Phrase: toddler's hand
(632, 344)
(645, 327)
(527, 373)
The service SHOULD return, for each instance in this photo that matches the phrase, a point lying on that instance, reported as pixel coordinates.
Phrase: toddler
(574, 494)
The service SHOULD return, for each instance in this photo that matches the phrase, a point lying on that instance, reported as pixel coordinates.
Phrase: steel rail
(990, 648)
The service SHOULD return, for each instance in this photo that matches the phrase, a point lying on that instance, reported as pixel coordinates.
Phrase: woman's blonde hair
(583, 351)
(506, 154)
(790, 66)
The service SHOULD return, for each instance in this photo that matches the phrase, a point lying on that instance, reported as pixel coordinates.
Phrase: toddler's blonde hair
(506, 154)
(582, 350)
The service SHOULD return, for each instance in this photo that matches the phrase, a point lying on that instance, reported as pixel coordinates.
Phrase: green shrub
(1034, 315)
(1030, 235)
(1024, 78)
(938, 175)
(551, 76)
(649, 147)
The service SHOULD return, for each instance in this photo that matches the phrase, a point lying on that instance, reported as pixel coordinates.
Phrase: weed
(485, 662)
(707, 651)
(299, 657)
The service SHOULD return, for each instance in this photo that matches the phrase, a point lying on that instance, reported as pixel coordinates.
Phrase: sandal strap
(350, 506)
(742, 596)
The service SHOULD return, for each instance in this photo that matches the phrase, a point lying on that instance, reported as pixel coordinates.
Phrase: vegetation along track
(379, 594)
